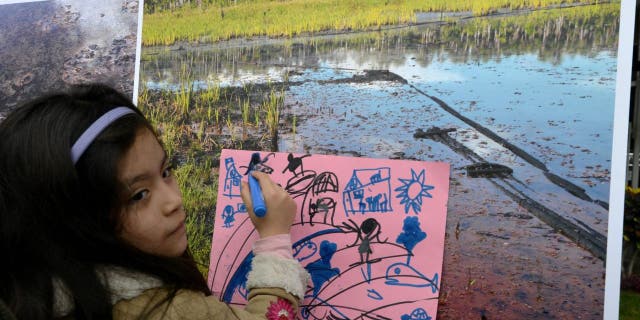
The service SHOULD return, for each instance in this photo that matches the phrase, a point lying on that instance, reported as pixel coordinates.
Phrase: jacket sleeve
(264, 303)
(276, 282)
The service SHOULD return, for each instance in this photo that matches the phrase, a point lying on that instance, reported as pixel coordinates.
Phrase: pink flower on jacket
(280, 310)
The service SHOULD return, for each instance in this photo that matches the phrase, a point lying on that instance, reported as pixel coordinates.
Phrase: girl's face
(153, 216)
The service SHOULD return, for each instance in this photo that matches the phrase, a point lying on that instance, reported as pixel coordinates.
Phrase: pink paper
(369, 231)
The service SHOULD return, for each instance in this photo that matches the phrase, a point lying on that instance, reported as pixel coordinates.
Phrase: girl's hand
(281, 209)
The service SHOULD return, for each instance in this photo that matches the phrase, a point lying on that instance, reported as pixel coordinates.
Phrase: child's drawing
(321, 270)
(260, 166)
(294, 164)
(411, 235)
(366, 260)
(305, 250)
(368, 190)
(232, 179)
(317, 191)
(412, 191)
(228, 214)
(368, 231)
(417, 314)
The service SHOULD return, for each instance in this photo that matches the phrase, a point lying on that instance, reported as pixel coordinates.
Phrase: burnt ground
(48, 45)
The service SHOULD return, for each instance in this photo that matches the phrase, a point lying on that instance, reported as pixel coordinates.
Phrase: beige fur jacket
(275, 286)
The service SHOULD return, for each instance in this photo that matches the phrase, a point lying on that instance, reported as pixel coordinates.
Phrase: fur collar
(122, 283)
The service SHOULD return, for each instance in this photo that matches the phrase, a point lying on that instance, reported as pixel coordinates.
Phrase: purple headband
(94, 130)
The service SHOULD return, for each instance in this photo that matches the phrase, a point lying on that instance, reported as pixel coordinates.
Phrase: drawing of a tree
(411, 234)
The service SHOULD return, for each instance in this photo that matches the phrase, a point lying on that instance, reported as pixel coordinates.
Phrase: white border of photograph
(619, 160)
(136, 73)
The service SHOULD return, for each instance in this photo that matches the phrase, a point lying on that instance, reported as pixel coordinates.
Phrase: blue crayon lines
(416, 314)
(412, 191)
(232, 179)
(356, 262)
(402, 274)
(373, 294)
(305, 250)
(368, 190)
(411, 234)
(228, 214)
(321, 270)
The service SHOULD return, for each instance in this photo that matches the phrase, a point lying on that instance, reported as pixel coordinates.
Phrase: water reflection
(550, 35)
(545, 82)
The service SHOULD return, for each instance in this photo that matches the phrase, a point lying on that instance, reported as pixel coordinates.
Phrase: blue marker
(257, 199)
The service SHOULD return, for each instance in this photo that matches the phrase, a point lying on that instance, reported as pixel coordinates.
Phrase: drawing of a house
(232, 179)
(368, 190)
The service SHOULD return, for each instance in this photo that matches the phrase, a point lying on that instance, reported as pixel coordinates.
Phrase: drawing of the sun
(412, 191)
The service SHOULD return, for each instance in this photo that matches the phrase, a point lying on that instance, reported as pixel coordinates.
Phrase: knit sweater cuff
(279, 245)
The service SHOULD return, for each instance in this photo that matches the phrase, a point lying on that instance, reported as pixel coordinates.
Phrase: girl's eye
(167, 172)
(139, 196)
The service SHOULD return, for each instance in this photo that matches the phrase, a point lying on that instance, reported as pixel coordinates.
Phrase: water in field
(554, 99)
(548, 91)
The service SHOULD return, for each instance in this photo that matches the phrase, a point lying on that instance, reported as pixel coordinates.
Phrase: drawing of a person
(227, 216)
(367, 231)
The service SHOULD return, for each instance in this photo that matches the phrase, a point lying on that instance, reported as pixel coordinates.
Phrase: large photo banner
(516, 96)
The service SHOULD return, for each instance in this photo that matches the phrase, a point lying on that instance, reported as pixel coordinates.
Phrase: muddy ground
(501, 262)
(503, 259)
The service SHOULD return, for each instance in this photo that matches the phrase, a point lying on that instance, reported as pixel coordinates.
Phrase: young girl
(92, 223)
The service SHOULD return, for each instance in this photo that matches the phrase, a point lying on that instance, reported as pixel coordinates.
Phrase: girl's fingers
(246, 195)
(266, 184)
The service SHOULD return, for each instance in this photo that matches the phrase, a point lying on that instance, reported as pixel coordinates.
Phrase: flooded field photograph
(517, 97)
(49, 44)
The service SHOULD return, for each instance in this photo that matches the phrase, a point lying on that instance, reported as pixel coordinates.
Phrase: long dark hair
(60, 221)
